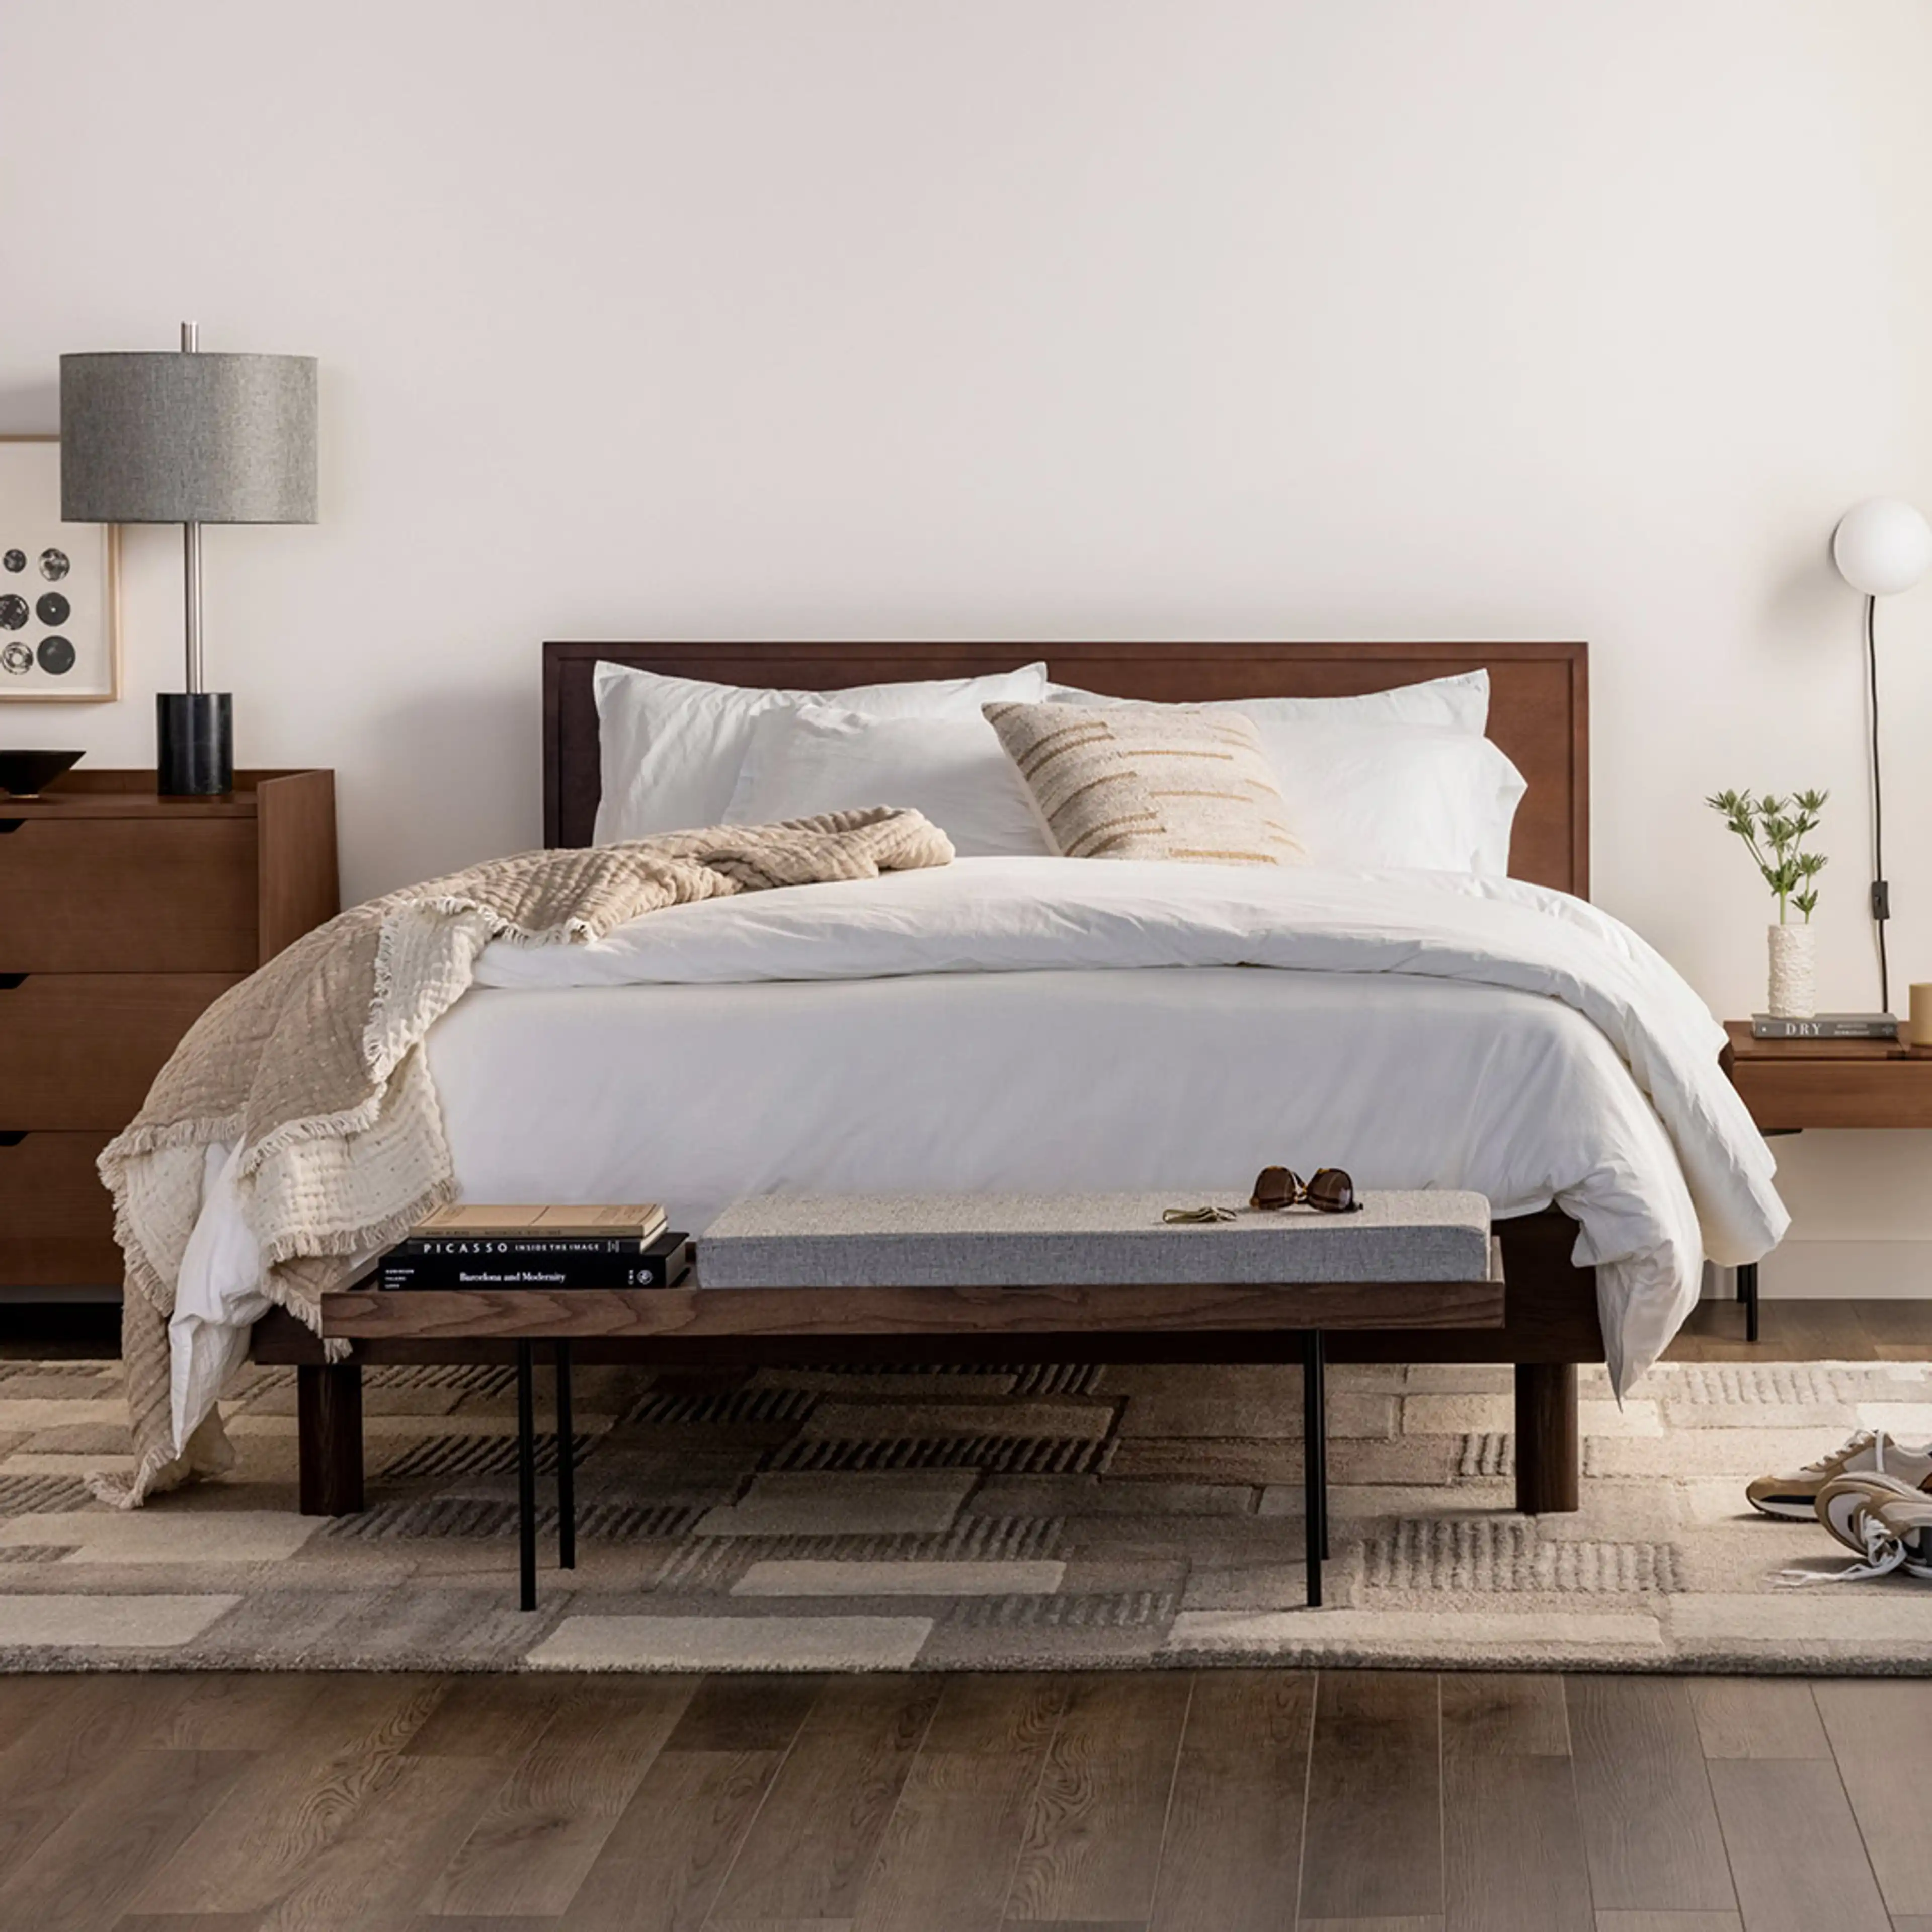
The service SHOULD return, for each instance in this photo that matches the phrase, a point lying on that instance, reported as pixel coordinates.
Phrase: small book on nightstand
(1824, 1026)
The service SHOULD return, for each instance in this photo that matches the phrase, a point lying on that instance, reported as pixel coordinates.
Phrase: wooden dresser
(122, 916)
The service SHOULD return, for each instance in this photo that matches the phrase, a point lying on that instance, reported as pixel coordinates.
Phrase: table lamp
(1881, 547)
(167, 437)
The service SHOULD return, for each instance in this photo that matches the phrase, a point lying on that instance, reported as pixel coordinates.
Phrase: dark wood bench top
(367, 1313)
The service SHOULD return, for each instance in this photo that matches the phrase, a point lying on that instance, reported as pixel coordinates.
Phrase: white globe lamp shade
(1881, 546)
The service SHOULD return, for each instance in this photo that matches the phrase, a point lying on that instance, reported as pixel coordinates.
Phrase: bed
(882, 1073)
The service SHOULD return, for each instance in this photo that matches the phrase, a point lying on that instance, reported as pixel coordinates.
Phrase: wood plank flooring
(1807, 1331)
(1225, 1801)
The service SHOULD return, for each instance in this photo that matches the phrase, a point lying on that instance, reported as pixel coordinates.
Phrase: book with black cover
(1824, 1026)
(661, 1264)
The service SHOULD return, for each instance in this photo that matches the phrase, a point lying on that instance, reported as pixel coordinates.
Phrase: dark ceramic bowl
(23, 773)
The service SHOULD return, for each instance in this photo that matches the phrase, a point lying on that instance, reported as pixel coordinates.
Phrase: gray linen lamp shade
(166, 438)
(155, 437)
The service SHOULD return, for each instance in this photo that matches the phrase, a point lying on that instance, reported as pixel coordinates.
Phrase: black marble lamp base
(194, 739)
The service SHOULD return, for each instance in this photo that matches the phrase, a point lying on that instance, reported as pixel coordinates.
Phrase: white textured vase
(1794, 972)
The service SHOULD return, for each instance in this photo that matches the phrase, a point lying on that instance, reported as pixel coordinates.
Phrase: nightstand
(1791, 1084)
(122, 916)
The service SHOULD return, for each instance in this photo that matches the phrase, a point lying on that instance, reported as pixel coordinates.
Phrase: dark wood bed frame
(1539, 714)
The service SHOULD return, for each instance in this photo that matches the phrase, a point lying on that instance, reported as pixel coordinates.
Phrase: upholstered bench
(947, 1267)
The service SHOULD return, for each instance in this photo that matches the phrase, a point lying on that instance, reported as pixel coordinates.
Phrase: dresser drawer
(128, 895)
(56, 1219)
(81, 1049)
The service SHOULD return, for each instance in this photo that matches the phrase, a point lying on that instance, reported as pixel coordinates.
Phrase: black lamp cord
(1881, 892)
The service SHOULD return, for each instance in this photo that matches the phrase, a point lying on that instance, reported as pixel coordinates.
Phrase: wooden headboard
(1539, 705)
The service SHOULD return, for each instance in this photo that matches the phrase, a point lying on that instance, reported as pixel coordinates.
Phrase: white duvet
(1045, 1024)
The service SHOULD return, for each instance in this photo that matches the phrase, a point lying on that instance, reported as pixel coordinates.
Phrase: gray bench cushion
(992, 1241)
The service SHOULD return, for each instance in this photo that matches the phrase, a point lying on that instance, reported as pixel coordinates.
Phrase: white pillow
(670, 748)
(1377, 797)
(1458, 703)
(817, 759)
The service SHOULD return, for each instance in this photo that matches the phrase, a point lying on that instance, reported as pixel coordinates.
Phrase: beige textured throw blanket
(312, 1066)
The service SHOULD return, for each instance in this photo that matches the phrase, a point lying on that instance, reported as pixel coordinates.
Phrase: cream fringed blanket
(312, 1066)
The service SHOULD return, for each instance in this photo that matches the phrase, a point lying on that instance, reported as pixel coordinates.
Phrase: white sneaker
(1870, 1452)
(1888, 1524)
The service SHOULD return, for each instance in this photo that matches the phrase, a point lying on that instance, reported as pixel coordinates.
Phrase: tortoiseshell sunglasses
(1328, 1190)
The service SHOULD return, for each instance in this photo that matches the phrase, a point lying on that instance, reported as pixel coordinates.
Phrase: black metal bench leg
(527, 1476)
(566, 1465)
(1321, 1396)
(1747, 1294)
(1314, 1462)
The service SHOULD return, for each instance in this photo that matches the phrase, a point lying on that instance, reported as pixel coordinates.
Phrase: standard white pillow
(670, 749)
(1458, 704)
(816, 758)
(1376, 797)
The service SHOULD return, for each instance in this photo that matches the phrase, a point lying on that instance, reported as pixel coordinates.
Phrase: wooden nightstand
(1791, 1084)
(122, 916)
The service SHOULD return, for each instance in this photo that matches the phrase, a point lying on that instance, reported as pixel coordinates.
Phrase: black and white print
(58, 620)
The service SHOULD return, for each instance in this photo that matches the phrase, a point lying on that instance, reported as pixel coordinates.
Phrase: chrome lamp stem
(191, 341)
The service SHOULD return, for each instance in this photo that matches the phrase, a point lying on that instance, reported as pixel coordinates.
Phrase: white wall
(1035, 319)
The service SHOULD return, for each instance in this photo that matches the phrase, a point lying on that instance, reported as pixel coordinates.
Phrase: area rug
(938, 1519)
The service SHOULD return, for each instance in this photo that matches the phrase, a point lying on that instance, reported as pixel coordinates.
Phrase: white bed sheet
(974, 1029)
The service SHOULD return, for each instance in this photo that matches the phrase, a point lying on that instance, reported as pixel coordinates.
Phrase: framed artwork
(60, 614)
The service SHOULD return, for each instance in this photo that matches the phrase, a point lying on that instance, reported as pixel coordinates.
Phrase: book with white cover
(470, 1220)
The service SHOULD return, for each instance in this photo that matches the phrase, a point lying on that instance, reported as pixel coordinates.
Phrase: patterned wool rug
(949, 1520)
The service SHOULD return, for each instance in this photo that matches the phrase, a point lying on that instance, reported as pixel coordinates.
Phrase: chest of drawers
(122, 916)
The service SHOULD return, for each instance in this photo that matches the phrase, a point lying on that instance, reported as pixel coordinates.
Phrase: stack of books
(1824, 1026)
(538, 1247)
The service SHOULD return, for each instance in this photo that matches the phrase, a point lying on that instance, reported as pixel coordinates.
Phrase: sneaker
(1887, 1522)
(1870, 1452)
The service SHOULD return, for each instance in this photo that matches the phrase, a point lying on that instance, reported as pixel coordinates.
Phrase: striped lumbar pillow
(1138, 781)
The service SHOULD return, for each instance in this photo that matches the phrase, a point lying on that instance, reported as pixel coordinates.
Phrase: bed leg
(329, 1423)
(1548, 1476)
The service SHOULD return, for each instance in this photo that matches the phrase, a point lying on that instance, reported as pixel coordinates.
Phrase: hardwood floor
(1225, 1801)
(1808, 1331)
